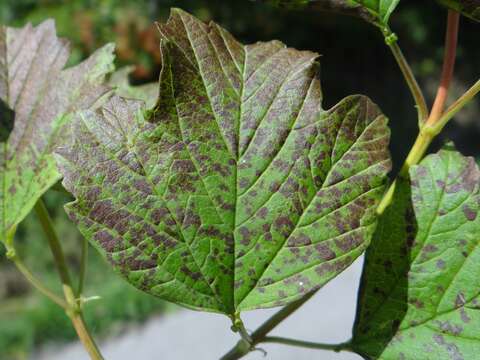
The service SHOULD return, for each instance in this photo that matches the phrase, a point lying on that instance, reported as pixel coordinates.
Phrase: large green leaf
(375, 11)
(420, 292)
(37, 97)
(238, 191)
(469, 8)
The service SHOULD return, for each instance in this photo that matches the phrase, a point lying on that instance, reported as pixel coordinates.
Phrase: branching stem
(448, 67)
(259, 335)
(410, 79)
(456, 107)
(73, 308)
(308, 344)
(36, 283)
(437, 119)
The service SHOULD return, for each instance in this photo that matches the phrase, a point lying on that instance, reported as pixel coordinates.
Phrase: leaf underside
(36, 100)
(420, 293)
(374, 11)
(237, 191)
(469, 8)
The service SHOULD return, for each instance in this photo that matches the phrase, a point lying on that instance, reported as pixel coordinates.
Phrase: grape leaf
(469, 8)
(237, 191)
(36, 98)
(374, 11)
(119, 80)
(420, 294)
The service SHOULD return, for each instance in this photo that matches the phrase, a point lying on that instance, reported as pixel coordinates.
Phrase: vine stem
(83, 267)
(36, 283)
(73, 309)
(308, 344)
(258, 336)
(456, 107)
(437, 119)
(448, 67)
(428, 132)
(409, 77)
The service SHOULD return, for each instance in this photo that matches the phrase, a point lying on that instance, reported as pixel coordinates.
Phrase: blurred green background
(354, 60)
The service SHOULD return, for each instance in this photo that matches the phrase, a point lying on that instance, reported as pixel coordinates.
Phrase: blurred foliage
(354, 60)
(28, 319)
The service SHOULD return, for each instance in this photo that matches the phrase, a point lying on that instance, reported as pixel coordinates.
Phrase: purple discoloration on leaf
(470, 214)
(37, 98)
(431, 297)
(239, 186)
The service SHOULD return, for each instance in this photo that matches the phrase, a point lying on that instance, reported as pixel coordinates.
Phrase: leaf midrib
(218, 298)
(238, 155)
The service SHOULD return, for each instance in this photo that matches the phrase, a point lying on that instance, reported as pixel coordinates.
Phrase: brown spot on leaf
(469, 213)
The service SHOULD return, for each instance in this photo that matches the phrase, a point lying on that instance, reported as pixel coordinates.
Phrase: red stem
(448, 67)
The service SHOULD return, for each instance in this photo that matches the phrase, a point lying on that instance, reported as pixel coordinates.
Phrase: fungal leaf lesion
(237, 190)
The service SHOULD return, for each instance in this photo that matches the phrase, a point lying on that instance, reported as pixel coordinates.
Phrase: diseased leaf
(121, 83)
(374, 11)
(36, 99)
(420, 293)
(238, 191)
(469, 8)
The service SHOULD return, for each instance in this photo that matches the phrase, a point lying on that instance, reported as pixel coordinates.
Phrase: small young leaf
(119, 80)
(237, 191)
(374, 11)
(36, 99)
(420, 294)
(469, 8)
